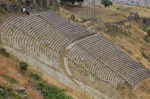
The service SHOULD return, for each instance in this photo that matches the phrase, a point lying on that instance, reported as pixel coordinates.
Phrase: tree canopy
(106, 3)
(70, 1)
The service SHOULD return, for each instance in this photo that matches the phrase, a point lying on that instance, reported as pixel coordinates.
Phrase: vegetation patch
(4, 52)
(8, 93)
(35, 76)
(11, 80)
(47, 91)
(50, 91)
(23, 66)
(148, 32)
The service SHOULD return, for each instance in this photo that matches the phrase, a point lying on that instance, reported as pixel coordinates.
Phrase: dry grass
(142, 91)
(113, 13)
(10, 75)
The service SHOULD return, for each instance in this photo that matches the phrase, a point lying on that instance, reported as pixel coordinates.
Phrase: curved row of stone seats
(75, 69)
(71, 31)
(35, 37)
(111, 57)
(88, 63)
(17, 35)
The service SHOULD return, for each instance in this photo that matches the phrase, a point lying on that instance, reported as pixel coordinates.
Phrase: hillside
(128, 35)
(16, 83)
(106, 56)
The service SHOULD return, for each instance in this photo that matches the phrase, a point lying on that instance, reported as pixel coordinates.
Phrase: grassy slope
(12, 76)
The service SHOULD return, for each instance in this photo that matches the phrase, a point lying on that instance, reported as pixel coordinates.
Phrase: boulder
(72, 17)
(146, 21)
(1, 90)
(21, 90)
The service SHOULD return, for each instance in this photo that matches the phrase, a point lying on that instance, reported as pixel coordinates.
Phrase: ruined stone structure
(71, 54)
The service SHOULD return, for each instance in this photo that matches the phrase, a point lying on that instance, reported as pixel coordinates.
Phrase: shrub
(4, 52)
(107, 3)
(8, 93)
(35, 76)
(51, 92)
(148, 32)
(23, 66)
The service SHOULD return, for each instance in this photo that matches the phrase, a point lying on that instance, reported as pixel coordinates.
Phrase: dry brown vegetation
(10, 75)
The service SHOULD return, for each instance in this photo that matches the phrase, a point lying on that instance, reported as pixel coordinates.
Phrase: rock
(1, 90)
(113, 29)
(133, 16)
(86, 19)
(21, 89)
(24, 96)
(72, 17)
(146, 21)
(98, 28)
(16, 93)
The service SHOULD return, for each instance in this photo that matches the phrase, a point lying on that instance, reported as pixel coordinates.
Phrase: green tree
(106, 3)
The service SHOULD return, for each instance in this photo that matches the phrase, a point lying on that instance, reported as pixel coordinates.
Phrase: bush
(23, 66)
(8, 93)
(51, 92)
(4, 52)
(107, 3)
(35, 76)
(148, 32)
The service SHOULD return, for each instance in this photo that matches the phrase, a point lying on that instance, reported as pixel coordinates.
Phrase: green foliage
(8, 93)
(23, 66)
(11, 80)
(51, 92)
(35, 76)
(4, 52)
(148, 32)
(107, 3)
